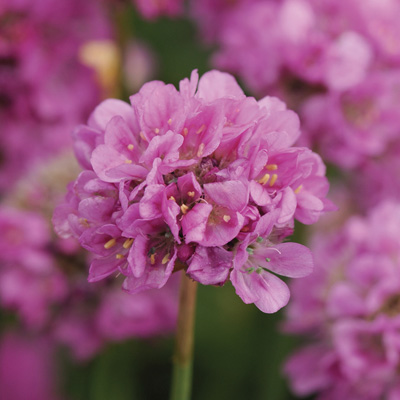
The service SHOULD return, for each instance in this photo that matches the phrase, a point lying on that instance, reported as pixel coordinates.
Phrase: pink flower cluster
(40, 75)
(318, 42)
(44, 282)
(204, 179)
(348, 310)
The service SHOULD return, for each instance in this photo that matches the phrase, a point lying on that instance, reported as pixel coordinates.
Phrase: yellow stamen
(119, 256)
(130, 146)
(157, 131)
(127, 243)
(165, 259)
(169, 121)
(201, 149)
(201, 129)
(298, 189)
(172, 198)
(141, 134)
(264, 179)
(185, 131)
(153, 259)
(271, 167)
(111, 243)
(84, 221)
(184, 208)
(226, 218)
(274, 177)
(128, 161)
(190, 194)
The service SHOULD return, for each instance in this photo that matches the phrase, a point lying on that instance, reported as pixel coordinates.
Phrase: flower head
(183, 178)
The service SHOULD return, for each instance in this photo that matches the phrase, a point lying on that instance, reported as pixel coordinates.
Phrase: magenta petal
(219, 231)
(137, 257)
(243, 289)
(85, 141)
(96, 208)
(309, 207)
(119, 136)
(108, 109)
(155, 277)
(265, 290)
(164, 147)
(170, 212)
(265, 224)
(150, 204)
(100, 268)
(195, 221)
(287, 123)
(230, 194)
(288, 259)
(187, 87)
(287, 206)
(210, 265)
(111, 166)
(259, 194)
(215, 84)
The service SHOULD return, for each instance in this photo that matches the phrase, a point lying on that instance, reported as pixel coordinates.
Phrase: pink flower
(349, 308)
(39, 75)
(317, 42)
(29, 280)
(354, 126)
(183, 178)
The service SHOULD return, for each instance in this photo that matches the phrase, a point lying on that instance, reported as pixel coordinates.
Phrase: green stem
(183, 354)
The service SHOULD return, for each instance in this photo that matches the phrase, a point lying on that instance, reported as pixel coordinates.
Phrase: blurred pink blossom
(40, 75)
(348, 311)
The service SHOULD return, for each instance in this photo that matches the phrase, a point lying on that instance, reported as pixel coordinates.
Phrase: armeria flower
(183, 179)
(348, 310)
(354, 126)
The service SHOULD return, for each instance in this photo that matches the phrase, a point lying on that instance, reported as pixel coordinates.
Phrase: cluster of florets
(355, 126)
(335, 62)
(39, 65)
(349, 311)
(318, 42)
(206, 180)
(43, 280)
